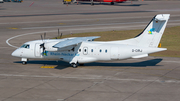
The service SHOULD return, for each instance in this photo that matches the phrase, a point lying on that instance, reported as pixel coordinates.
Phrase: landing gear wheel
(74, 65)
(24, 62)
(92, 4)
(112, 3)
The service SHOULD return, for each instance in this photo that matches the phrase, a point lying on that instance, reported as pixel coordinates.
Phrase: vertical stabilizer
(151, 35)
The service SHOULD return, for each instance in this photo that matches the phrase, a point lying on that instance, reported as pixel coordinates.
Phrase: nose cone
(16, 53)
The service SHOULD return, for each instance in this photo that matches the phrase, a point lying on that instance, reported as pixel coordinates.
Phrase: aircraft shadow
(146, 63)
(63, 65)
(60, 64)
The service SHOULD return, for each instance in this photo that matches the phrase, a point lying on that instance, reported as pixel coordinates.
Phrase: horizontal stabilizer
(161, 17)
(147, 51)
(140, 56)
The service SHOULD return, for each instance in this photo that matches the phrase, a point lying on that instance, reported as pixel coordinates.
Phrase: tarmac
(145, 79)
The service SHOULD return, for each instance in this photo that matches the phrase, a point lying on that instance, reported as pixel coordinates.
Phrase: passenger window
(100, 50)
(106, 51)
(84, 50)
(79, 50)
(91, 50)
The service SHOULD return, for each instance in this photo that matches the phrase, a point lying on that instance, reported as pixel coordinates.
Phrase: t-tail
(151, 35)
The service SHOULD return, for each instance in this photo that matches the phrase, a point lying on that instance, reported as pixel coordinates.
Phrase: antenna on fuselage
(61, 36)
(58, 35)
(58, 32)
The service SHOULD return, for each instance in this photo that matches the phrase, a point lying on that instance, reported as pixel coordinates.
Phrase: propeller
(42, 45)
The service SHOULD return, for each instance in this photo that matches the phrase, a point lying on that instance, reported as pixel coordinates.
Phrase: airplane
(79, 50)
(111, 1)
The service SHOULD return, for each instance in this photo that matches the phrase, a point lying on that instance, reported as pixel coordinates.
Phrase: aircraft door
(37, 50)
(85, 50)
(114, 53)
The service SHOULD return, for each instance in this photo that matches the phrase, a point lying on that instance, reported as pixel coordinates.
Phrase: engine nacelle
(48, 46)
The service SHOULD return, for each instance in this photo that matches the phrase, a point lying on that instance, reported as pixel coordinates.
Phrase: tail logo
(151, 30)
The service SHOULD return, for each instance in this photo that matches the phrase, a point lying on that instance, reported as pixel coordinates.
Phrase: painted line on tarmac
(75, 29)
(71, 20)
(47, 67)
(13, 28)
(84, 25)
(62, 23)
(91, 77)
(7, 41)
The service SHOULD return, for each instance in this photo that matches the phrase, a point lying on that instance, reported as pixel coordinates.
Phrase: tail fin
(151, 35)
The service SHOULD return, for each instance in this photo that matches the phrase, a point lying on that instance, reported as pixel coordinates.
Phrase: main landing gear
(74, 65)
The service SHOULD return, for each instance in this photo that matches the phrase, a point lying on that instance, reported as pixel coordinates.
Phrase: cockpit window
(25, 46)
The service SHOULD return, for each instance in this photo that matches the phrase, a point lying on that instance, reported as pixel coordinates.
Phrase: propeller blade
(41, 38)
(43, 51)
(58, 34)
(44, 35)
(42, 45)
(61, 36)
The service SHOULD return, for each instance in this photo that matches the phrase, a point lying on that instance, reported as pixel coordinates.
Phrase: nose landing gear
(24, 61)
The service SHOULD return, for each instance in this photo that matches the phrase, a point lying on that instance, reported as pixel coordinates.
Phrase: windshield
(25, 46)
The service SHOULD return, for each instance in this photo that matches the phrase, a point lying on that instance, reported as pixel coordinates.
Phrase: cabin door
(37, 50)
(114, 53)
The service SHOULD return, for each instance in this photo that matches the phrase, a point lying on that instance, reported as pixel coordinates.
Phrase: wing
(74, 41)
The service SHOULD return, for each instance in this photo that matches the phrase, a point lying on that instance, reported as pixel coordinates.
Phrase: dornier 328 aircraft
(80, 50)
